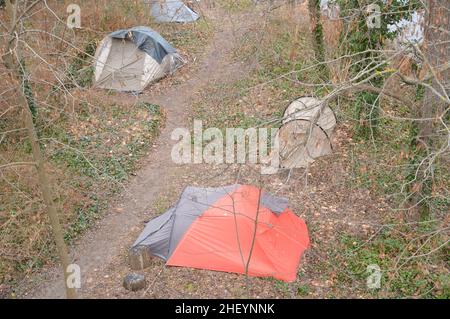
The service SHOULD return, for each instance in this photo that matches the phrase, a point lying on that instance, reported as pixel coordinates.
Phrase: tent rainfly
(306, 132)
(236, 228)
(129, 60)
(172, 11)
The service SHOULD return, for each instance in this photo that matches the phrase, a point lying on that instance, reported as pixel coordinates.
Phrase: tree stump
(140, 258)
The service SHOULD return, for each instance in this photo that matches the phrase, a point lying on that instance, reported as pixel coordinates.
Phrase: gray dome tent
(172, 11)
(130, 59)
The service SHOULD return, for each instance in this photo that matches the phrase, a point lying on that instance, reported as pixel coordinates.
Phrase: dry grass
(347, 198)
(332, 31)
(93, 139)
(345, 202)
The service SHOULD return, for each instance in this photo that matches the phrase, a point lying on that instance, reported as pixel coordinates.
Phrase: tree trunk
(13, 62)
(45, 187)
(437, 52)
(316, 30)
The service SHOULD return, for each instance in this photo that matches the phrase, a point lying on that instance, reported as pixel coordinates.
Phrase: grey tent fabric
(156, 234)
(129, 60)
(172, 11)
(275, 204)
(146, 40)
(163, 233)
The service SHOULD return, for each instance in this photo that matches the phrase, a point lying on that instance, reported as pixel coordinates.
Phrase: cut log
(301, 142)
(310, 109)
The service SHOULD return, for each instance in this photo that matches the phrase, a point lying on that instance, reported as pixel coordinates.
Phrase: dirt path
(320, 196)
(97, 248)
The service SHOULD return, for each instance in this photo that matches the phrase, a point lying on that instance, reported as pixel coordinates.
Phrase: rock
(134, 282)
(140, 258)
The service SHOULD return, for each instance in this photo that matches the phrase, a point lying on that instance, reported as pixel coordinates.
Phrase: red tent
(214, 228)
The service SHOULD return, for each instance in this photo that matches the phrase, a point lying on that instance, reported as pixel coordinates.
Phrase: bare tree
(316, 28)
(14, 62)
(436, 52)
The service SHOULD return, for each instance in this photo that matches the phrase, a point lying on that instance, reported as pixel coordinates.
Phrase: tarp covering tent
(129, 60)
(306, 133)
(172, 11)
(213, 228)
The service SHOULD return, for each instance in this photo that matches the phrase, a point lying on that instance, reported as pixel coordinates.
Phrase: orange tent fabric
(223, 238)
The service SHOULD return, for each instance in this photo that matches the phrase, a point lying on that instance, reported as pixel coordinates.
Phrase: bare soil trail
(320, 195)
(108, 238)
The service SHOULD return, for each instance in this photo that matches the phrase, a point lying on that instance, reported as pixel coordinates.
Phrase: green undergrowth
(90, 155)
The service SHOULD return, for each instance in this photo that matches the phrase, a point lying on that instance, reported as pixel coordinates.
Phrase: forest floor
(342, 217)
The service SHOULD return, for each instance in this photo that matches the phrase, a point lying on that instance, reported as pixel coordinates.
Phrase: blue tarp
(146, 40)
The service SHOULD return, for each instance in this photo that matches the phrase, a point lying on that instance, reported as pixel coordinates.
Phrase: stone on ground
(134, 282)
